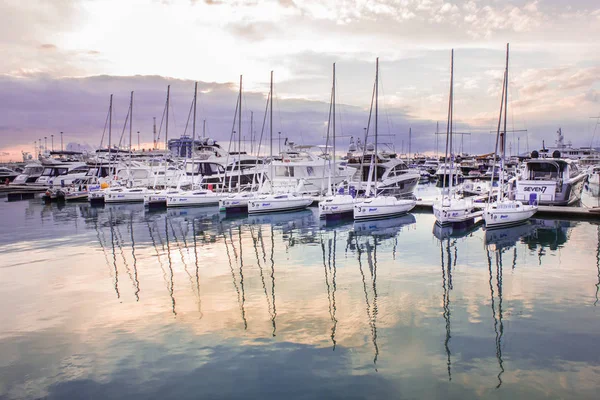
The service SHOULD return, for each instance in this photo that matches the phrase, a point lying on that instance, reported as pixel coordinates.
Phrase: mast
(194, 133)
(451, 122)
(505, 107)
(251, 132)
(203, 129)
(130, 134)
(376, 115)
(239, 182)
(271, 132)
(167, 120)
(333, 121)
(409, 142)
(154, 133)
(109, 126)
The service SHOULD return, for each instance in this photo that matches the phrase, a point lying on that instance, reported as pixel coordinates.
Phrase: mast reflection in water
(351, 309)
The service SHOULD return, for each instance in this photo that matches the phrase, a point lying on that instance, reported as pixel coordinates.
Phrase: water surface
(119, 302)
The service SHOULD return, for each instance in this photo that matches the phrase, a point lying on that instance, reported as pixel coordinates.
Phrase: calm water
(118, 302)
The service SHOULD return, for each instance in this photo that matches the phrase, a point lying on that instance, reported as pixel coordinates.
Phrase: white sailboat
(198, 197)
(336, 205)
(277, 202)
(452, 210)
(379, 206)
(238, 202)
(505, 212)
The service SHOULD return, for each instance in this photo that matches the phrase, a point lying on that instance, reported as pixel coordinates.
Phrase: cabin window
(284, 171)
(544, 171)
(310, 171)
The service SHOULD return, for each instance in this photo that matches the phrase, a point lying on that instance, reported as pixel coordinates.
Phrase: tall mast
(194, 132)
(409, 142)
(505, 108)
(376, 116)
(130, 122)
(271, 132)
(109, 125)
(333, 156)
(240, 140)
(251, 133)
(167, 119)
(154, 133)
(452, 122)
(203, 129)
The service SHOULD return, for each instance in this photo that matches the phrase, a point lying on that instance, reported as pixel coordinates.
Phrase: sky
(63, 59)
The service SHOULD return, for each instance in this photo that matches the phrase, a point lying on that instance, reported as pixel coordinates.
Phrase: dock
(21, 192)
(557, 212)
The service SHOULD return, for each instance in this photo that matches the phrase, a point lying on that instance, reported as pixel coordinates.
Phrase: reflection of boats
(447, 287)
(449, 231)
(383, 227)
(502, 238)
(296, 218)
(498, 324)
(330, 275)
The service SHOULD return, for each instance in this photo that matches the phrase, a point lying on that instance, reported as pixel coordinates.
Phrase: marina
(287, 199)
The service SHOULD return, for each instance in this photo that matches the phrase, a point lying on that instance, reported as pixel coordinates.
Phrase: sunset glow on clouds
(62, 60)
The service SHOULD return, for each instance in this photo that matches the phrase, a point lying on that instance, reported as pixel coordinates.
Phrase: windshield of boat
(78, 170)
(540, 171)
(32, 170)
(51, 171)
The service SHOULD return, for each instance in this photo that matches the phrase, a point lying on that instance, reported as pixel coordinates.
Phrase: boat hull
(193, 199)
(454, 212)
(501, 217)
(382, 207)
(269, 204)
(334, 207)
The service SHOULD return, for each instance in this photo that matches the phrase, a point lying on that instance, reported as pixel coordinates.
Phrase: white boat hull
(124, 195)
(237, 202)
(509, 212)
(278, 203)
(382, 207)
(337, 205)
(194, 198)
(454, 211)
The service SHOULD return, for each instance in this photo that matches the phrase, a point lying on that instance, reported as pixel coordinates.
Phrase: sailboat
(379, 206)
(126, 194)
(452, 210)
(238, 202)
(197, 197)
(278, 202)
(505, 212)
(335, 205)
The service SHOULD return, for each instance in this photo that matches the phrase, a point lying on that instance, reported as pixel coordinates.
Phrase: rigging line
(188, 118)
(362, 162)
(124, 126)
(231, 139)
(137, 282)
(104, 130)
(161, 122)
(387, 117)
